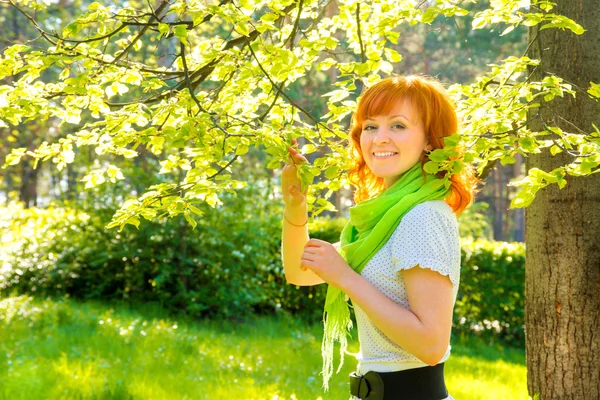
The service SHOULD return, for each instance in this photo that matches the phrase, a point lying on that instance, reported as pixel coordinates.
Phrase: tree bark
(562, 289)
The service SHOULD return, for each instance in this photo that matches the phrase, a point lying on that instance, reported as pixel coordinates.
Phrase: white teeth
(384, 154)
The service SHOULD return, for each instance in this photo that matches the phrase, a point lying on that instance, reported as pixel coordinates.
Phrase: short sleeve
(428, 237)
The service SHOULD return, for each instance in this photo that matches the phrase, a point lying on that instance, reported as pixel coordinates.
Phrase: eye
(369, 127)
(398, 126)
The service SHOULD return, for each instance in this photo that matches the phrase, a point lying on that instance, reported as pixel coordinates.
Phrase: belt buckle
(366, 387)
(359, 386)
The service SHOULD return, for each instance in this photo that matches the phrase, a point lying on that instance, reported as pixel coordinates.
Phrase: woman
(398, 259)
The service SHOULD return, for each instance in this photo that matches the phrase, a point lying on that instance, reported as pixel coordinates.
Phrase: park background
(173, 308)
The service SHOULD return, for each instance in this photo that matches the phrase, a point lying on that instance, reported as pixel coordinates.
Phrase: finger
(304, 265)
(307, 256)
(296, 193)
(311, 245)
(292, 161)
(296, 158)
(295, 153)
(312, 250)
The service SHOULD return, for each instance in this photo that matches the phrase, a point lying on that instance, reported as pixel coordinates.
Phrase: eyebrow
(393, 116)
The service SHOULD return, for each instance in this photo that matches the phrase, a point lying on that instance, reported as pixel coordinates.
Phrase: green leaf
(438, 155)
(331, 43)
(326, 64)
(562, 22)
(508, 159)
(554, 150)
(332, 172)
(195, 210)
(128, 153)
(71, 29)
(526, 144)
(95, 6)
(14, 157)
(430, 14)
(241, 149)
(392, 55)
(392, 36)
(562, 183)
(242, 28)
(522, 199)
(190, 219)
(452, 140)
(479, 23)
(431, 167)
(275, 163)
(164, 29)
(135, 221)
(180, 31)
(247, 5)
(594, 90)
(458, 166)
(508, 30)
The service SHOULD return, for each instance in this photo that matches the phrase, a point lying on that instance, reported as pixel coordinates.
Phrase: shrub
(491, 297)
(226, 266)
(229, 266)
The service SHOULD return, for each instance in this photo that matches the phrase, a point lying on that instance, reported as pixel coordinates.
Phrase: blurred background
(109, 314)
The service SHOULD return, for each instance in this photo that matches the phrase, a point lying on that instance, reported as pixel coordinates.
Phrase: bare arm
(424, 330)
(294, 238)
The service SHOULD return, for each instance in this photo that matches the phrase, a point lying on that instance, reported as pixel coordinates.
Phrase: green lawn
(69, 350)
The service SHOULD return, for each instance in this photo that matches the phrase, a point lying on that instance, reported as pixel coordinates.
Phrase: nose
(381, 136)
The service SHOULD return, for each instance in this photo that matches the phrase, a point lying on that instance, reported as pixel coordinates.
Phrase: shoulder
(431, 212)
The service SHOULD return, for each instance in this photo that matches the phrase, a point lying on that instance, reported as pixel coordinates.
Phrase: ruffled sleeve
(428, 236)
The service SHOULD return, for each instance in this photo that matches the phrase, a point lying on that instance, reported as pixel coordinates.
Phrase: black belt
(426, 383)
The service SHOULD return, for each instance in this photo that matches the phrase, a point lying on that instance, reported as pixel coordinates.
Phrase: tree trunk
(562, 289)
(28, 188)
(497, 176)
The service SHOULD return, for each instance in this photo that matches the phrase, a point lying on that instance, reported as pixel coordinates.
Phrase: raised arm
(294, 230)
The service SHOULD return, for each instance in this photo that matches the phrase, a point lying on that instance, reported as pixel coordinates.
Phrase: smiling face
(402, 133)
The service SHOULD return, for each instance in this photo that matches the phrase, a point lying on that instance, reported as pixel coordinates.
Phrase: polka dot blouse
(428, 236)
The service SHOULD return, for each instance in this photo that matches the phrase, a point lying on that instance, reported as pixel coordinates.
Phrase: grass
(69, 350)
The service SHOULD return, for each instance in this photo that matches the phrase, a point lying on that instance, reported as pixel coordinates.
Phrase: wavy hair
(437, 112)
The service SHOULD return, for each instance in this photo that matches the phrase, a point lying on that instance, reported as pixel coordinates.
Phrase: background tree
(563, 258)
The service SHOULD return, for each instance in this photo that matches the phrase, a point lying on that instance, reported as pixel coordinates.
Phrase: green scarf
(371, 224)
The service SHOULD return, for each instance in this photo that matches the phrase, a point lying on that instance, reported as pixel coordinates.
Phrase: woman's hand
(324, 260)
(290, 183)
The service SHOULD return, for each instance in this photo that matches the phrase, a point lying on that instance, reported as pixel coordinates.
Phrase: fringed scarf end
(336, 329)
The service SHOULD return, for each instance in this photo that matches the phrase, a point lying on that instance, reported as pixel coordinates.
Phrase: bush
(229, 266)
(491, 298)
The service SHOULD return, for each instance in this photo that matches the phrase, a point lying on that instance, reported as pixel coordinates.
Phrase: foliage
(225, 92)
(228, 266)
(91, 350)
(225, 266)
(493, 311)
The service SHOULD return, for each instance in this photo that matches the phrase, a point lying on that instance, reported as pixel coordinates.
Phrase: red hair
(436, 110)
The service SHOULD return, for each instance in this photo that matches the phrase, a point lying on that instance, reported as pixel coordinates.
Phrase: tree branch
(280, 91)
(292, 36)
(462, 36)
(33, 21)
(156, 15)
(362, 46)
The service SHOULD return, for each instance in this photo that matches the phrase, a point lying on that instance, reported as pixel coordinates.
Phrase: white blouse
(428, 236)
